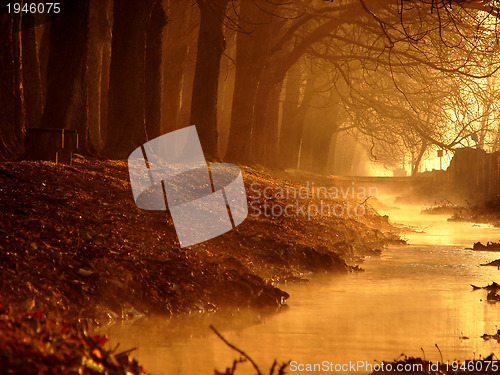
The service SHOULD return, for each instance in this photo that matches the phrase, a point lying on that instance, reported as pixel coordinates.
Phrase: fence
(476, 171)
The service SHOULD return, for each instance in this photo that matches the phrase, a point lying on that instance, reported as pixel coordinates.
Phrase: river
(411, 297)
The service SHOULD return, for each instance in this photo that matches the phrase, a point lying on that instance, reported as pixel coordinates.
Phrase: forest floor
(74, 247)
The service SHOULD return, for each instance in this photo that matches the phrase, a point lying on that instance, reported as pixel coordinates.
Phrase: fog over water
(411, 297)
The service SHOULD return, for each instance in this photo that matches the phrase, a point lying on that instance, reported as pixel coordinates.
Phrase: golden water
(412, 297)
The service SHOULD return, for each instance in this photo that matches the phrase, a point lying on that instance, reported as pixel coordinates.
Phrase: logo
(205, 200)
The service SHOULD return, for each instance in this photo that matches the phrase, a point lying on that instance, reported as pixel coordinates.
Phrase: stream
(409, 298)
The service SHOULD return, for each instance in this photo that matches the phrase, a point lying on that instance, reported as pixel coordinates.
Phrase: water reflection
(410, 298)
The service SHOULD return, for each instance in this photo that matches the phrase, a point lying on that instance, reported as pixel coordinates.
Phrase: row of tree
(269, 82)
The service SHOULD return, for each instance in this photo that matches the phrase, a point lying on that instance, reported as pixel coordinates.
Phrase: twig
(439, 352)
(236, 349)
(282, 368)
(365, 200)
(271, 372)
(125, 352)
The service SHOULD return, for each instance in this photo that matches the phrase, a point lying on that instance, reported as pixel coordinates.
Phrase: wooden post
(55, 145)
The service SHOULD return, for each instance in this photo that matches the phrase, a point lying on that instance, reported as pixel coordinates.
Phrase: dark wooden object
(477, 171)
(55, 145)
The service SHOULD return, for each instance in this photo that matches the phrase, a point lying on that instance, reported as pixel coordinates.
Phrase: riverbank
(484, 212)
(439, 197)
(74, 246)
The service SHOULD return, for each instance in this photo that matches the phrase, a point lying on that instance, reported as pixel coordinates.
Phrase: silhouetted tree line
(268, 82)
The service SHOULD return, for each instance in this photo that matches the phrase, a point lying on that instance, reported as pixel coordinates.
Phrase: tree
(98, 70)
(153, 70)
(211, 45)
(175, 53)
(299, 94)
(11, 94)
(252, 43)
(419, 59)
(65, 106)
(323, 122)
(32, 80)
(126, 123)
(264, 57)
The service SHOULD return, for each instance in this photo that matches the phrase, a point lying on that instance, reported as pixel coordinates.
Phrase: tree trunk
(346, 150)
(418, 159)
(250, 59)
(175, 54)
(153, 73)
(226, 91)
(293, 127)
(332, 160)
(79, 115)
(184, 115)
(43, 55)
(127, 128)
(11, 118)
(104, 102)
(245, 91)
(239, 148)
(271, 152)
(31, 76)
(291, 103)
(66, 70)
(211, 45)
(321, 147)
(19, 105)
(99, 35)
(266, 123)
(322, 124)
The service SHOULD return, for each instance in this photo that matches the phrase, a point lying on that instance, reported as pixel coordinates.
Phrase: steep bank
(74, 244)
